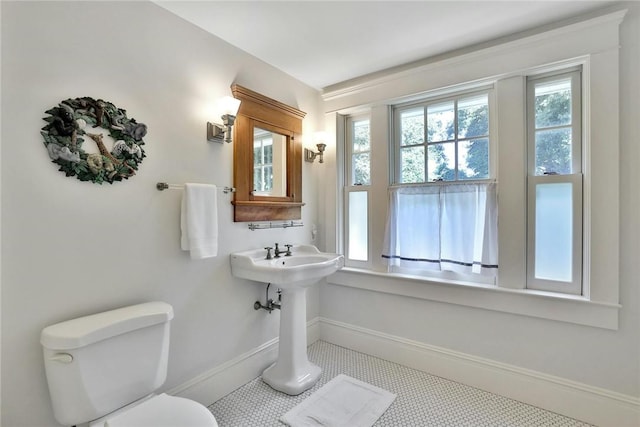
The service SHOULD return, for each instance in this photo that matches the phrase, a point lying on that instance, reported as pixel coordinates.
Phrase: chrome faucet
(277, 251)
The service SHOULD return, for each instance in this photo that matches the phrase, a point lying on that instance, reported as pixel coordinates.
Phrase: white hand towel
(199, 220)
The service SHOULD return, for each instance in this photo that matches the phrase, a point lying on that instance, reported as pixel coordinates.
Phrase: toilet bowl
(159, 411)
(103, 370)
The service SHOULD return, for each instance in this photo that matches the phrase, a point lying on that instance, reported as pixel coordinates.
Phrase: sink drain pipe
(270, 305)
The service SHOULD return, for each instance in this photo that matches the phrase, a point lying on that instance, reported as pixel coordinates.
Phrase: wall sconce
(228, 107)
(309, 155)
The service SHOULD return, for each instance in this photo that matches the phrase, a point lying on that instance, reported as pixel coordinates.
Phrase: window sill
(544, 305)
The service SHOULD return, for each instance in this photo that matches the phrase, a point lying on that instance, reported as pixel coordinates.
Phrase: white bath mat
(342, 402)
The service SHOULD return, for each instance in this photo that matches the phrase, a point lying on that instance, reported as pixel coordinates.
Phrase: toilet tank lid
(86, 330)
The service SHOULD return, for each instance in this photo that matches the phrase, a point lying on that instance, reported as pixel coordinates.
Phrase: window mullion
(456, 174)
(425, 142)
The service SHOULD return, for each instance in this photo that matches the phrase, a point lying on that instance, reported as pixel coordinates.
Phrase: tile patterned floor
(422, 399)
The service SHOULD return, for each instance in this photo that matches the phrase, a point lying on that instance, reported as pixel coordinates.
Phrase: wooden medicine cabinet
(267, 158)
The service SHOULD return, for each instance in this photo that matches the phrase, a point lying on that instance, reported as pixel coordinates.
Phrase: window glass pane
(440, 122)
(553, 151)
(553, 103)
(263, 178)
(361, 136)
(553, 232)
(441, 162)
(263, 151)
(268, 178)
(473, 159)
(412, 164)
(412, 127)
(358, 226)
(268, 151)
(257, 179)
(473, 116)
(361, 169)
(360, 157)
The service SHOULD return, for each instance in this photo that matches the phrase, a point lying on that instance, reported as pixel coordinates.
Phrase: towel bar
(165, 186)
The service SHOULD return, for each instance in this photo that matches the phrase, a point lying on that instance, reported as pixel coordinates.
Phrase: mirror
(267, 158)
(269, 163)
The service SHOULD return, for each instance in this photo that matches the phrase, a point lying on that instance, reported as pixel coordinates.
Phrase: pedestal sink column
(292, 373)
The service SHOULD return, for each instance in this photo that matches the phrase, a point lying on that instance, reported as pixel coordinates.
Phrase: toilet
(103, 370)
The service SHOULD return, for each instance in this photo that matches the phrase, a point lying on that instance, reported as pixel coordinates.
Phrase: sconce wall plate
(215, 133)
(222, 133)
(310, 156)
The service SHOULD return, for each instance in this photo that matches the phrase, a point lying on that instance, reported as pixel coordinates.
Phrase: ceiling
(323, 43)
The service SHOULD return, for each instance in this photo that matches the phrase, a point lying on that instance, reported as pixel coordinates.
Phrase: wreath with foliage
(73, 120)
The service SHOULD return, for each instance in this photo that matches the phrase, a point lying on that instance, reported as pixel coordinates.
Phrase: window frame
(575, 178)
(450, 94)
(351, 187)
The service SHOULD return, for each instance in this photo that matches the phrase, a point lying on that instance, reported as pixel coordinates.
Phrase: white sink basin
(303, 268)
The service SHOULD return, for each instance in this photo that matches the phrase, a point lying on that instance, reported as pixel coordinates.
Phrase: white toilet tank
(99, 363)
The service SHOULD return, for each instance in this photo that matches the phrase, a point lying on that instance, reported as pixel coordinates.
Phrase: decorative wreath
(73, 119)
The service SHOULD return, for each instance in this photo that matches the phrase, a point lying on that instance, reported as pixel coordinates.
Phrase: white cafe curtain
(443, 227)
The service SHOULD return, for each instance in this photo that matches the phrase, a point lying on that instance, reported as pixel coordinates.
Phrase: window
(263, 161)
(442, 213)
(358, 144)
(554, 187)
(444, 140)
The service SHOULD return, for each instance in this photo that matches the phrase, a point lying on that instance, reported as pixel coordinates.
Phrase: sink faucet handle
(288, 250)
(268, 248)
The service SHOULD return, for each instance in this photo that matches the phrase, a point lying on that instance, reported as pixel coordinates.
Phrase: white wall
(597, 357)
(72, 248)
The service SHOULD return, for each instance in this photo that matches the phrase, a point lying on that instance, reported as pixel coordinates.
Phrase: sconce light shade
(228, 109)
(228, 105)
(320, 137)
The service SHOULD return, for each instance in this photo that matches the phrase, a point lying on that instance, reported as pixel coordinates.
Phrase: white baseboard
(313, 330)
(584, 402)
(223, 379)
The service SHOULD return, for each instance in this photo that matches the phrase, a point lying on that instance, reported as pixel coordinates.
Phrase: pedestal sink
(292, 373)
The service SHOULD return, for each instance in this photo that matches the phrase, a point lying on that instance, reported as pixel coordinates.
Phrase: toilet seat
(163, 411)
